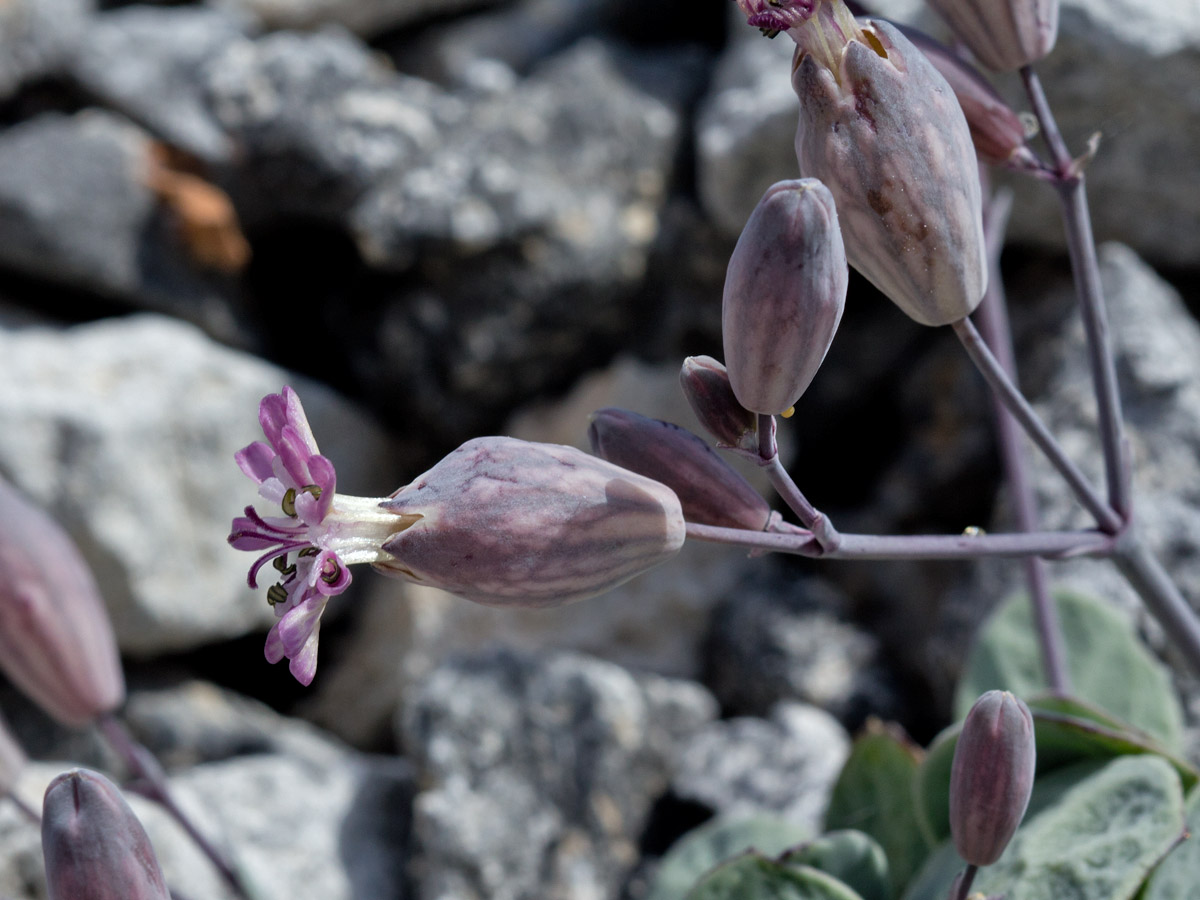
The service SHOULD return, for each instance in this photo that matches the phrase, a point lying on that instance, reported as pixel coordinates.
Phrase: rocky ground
(439, 219)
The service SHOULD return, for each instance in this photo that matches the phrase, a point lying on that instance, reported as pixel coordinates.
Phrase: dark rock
(539, 775)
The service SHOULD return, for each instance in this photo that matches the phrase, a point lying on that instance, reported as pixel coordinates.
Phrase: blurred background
(438, 219)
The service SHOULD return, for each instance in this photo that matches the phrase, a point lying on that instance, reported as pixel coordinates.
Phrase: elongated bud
(991, 777)
(785, 290)
(12, 760)
(706, 386)
(710, 492)
(1003, 34)
(996, 130)
(94, 846)
(882, 129)
(56, 641)
(511, 523)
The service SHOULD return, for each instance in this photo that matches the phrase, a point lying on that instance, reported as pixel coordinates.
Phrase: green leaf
(1094, 831)
(1066, 731)
(1107, 663)
(1178, 877)
(875, 794)
(850, 856)
(705, 847)
(754, 877)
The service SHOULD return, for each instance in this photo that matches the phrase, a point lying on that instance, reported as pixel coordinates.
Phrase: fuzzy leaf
(703, 848)
(754, 877)
(874, 794)
(1107, 663)
(1178, 878)
(850, 856)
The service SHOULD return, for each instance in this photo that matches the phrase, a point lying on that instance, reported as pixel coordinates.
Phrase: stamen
(281, 564)
(332, 573)
(314, 489)
(289, 502)
(308, 551)
(276, 593)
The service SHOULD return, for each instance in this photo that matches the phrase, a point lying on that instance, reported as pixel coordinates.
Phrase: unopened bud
(94, 846)
(991, 778)
(710, 492)
(785, 290)
(1003, 34)
(511, 523)
(706, 385)
(883, 130)
(996, 130)
(56, 641)
(12, 760)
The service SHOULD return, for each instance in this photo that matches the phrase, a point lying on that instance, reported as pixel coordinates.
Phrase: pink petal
(304, 664)
(298, 420)
(255, 460)
(299, 623)
(274, 647)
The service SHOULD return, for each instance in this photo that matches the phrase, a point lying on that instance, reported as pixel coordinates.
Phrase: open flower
(319, 535)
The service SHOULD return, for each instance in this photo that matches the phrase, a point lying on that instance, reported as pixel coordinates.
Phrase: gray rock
(317, 119)
(147, 62)
(538, 775)
(367, 17)
(37, 38)
(776, 641)
(1129, 76)
(75, 209)
(785, 766)
(125, 431)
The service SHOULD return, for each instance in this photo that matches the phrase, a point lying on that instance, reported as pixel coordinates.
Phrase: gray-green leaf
(754, 877)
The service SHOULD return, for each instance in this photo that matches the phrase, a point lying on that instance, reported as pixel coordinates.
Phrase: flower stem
(996, 331)
(153, 785)
(962, 883)
(826, 536)
(1082, 249)
(1014, 400)
(1052, 544)
(1148, 577)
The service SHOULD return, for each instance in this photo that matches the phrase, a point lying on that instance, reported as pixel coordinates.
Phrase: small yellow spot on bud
(973, 531)
(789, 412)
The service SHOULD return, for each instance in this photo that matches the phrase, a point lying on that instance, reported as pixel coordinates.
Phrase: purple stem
(996, 331)
(1161, 596)
(962, 883)
(1082, 248)
(826, 536)
(1052, 544)
(153, 785)
(1016, 403)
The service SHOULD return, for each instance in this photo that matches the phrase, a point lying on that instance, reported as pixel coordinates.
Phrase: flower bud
(1003, 34)
(510, 523)
(56, 641)
(785, 290)
(705, 383)
(12, 760)
(996, 130)
(710, 492)
(991, 777)
(94, 846)
(882, 129)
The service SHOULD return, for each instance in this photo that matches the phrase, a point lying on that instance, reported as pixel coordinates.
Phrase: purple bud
(991, 777)
(1003, 34)
(12, 760)
(785, 290)
(706, 385)
(510, 523)
(883, 130)
(93, 844)
(996, 130)
(56, 641)
(710, 492)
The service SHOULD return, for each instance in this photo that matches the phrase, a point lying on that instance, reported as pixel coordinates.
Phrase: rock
(1124, 76)
(784, 766)
(125, 430)
(318, 823)
(76, 210)
(778, 641)
(655, 622)
(148, 62)
(367, 17)
(538, 775)
(37, 38)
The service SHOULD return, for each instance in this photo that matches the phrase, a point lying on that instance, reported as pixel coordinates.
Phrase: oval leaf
(849, 856)
(754, 877)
